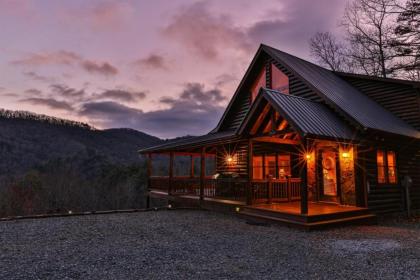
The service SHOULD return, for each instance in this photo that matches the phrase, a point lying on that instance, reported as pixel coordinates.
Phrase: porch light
(237, 209)
(229, 159)
(308, 156)
(345, 154)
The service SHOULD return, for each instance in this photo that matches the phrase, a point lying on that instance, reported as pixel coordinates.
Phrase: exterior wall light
(345, 154)
(308, 156)
(229, 159)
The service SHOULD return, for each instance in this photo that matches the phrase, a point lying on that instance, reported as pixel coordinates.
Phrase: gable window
(387, 167)
(259, 83)
(257, 167)
(279, 80)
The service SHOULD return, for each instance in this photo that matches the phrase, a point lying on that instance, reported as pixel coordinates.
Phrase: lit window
(392, 173)
(387, 167)
(259, 83)
(257, 167)
(270, 166)
(380, 159)
(279, 80)
(284, 165)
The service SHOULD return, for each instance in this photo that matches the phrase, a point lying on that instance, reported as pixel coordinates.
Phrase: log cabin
(301, 145)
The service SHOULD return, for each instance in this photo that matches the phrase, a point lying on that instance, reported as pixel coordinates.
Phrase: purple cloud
(195, 111)
(104, 68)
(49, 102)
(153, 61)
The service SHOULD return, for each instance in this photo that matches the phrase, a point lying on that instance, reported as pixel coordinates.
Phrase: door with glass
(328, 170)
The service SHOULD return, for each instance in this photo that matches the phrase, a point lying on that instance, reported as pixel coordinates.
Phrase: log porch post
(202, 171)
(304, 183)
(171, 171)
(250, 175)
(149, 179)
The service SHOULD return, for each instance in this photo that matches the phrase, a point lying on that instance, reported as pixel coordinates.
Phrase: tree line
(379, 38)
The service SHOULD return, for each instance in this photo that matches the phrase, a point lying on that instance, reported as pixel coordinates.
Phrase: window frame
(386, 167)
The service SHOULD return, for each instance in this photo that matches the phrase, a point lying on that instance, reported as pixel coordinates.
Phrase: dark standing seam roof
(351, 101)
(309, 117)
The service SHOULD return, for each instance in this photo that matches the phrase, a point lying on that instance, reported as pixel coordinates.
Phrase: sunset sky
(167, 68)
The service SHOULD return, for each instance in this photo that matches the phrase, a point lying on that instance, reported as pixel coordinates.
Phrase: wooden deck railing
(229, 189)
(276, 190)
(269, 190)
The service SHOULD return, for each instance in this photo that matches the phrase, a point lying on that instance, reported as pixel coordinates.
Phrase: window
(270, 166)
(380, 159)
(259, 83)
(279, 80)
(257, 167)
(284, 165)
(387, 167)
(392, 172)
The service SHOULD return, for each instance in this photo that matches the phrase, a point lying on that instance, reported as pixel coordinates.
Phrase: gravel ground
(191, 244)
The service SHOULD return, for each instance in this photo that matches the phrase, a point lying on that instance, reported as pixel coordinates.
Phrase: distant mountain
(28, 140)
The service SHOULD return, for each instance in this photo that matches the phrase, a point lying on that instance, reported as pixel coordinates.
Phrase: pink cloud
(67, 58)
(103, 68)
(153, 61)
(58, 57)
(204, 33)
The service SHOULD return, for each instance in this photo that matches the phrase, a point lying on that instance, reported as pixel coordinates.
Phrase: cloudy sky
(165, 67)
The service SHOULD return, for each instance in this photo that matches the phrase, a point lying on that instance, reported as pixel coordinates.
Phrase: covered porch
(278, 165)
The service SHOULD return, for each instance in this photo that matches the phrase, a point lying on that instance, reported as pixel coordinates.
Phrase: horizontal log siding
(390, 198)
(400, 99)
(240, 151)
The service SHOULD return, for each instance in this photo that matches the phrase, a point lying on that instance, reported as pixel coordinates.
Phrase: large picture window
(387, 167)
(270, 166)
(279, 80)
(275, 165)
(257, 167)
(259, 83)
(284, 166)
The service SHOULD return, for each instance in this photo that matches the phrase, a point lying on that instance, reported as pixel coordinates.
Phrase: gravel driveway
(184, 244)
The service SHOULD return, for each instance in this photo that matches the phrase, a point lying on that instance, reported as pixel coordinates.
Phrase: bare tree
(407, 40)
(369, 25)
(329, 52)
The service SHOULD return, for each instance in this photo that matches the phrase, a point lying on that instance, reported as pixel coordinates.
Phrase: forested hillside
(53, 165)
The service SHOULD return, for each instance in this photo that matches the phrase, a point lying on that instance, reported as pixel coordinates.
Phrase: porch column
(149, 170)
(304, 184)
(171, 171)
(149, 179)
(250, 173)
(191, 166)
(202, 172)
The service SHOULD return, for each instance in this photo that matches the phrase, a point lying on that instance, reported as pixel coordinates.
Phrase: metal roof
(308, 117)
(191, 142)
(348, 100)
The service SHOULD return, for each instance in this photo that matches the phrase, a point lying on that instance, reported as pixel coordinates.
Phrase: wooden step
(366, 219)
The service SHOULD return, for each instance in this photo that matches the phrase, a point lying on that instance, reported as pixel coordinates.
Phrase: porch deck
(314, 208)
(320, 215)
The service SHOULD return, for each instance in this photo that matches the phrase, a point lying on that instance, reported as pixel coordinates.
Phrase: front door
(329, 186)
